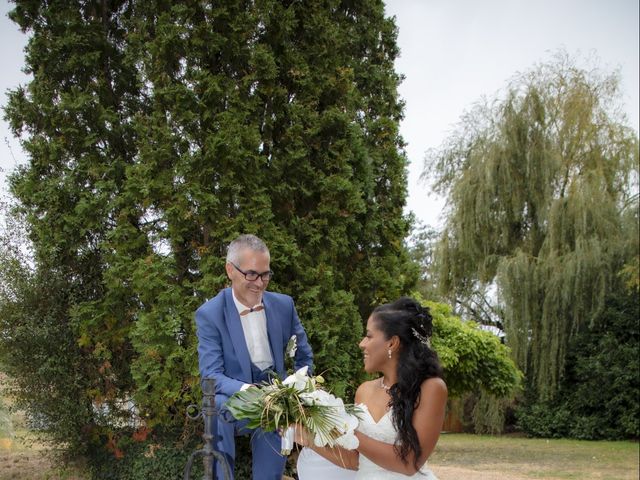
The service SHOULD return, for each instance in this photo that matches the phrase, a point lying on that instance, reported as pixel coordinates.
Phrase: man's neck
(241, 303)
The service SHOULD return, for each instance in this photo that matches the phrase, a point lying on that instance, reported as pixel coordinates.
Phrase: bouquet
(282, 404)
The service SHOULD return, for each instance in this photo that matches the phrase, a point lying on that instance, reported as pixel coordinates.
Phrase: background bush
(598, 398)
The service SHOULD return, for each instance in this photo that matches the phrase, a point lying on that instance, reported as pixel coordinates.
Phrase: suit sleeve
(304, 355)
(210, 355)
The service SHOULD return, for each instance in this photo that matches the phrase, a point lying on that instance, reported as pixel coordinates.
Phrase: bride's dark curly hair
(417, 362)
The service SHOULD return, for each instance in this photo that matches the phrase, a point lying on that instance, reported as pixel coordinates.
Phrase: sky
(452, 54)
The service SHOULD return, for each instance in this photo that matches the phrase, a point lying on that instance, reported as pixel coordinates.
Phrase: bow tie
(257, 308)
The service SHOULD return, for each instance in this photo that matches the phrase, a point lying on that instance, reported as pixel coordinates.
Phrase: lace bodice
(384, 431)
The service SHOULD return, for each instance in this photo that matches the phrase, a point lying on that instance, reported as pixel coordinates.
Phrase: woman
(404, 407)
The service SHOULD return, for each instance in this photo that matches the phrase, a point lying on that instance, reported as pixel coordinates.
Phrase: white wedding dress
(312, 466)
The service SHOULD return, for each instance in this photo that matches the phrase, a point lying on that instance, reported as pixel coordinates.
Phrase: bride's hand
(302, 436)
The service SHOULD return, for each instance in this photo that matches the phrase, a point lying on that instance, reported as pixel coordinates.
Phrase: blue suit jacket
(222, 349)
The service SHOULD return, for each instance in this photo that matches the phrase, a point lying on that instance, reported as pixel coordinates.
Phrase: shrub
(598, 397)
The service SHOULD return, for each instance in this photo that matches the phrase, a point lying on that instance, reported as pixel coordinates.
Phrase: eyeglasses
(253, 276)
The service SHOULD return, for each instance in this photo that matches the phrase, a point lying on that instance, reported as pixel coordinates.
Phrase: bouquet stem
(286, 443)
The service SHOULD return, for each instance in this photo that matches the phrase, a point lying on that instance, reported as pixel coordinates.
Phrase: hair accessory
(421, 338)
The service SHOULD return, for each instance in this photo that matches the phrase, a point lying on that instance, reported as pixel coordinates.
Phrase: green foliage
(156, 133)
(598, 397)
(47, 369)
(489, 413)
(472, 359)
(478, 368)
(544, 420)
(422, 247)
(156, 457)
(542, 195)
(334, 340)
(6, 425)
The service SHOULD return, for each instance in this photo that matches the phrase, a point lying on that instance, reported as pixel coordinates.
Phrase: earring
(389, 353)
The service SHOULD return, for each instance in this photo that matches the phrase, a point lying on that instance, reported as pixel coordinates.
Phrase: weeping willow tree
(542, 208)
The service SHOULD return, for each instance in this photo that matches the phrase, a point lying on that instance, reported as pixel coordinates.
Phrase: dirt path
(517, 472)
(35, 466)
(457, 473)
(489, 472)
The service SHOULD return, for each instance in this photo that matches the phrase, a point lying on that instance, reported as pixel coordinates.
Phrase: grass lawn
(483, 457)
(22, 457)
(457, 457)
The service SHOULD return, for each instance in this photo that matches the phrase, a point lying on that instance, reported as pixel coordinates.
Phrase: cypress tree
(158, 131)
(75, 120)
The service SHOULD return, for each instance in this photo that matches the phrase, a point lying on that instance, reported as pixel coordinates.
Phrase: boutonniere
(292, 346)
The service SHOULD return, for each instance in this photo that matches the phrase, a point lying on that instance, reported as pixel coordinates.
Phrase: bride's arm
(337, 455)
(428, 418)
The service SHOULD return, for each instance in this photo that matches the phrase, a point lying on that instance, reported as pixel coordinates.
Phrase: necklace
(383, 386)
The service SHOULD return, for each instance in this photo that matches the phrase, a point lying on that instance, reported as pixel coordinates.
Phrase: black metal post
(208, 453)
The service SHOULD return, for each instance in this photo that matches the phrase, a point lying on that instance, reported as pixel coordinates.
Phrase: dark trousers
(267, 463)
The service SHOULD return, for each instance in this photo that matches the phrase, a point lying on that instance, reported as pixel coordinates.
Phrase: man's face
(249, 293)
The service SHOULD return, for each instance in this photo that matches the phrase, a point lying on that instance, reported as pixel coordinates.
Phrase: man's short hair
(245, 242)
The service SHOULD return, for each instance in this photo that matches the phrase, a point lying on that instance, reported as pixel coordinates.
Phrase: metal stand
(208, 453)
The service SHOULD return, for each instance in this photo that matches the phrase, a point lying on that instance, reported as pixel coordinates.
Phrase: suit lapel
(274, 331)
(234, 325)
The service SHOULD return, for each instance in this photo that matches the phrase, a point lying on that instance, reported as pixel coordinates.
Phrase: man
(242, 336)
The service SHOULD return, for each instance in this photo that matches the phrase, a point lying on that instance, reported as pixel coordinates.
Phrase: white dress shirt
(254, 326)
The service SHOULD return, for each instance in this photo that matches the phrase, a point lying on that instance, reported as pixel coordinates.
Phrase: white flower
(286, 442)
(299, 379)
(321, 397)
(348, 441)
(349, 422)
